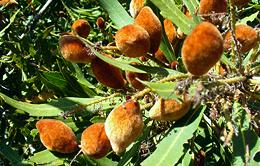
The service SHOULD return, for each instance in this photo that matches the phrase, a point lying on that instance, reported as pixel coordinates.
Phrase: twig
(167, 79)
(83, 106)
(147, 55)
(156, 61)
(234, 43)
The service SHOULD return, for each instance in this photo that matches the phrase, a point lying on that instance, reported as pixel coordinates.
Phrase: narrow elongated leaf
(170, 149)
(165, 90)
(56, 107)
(2, 32)
(134, 68)
(106, 162)
(170, 10)
(116, 12)
(167, 49)
(192, 6)
(10, 154)
(249, 18)
(227, 62)
(44, 157)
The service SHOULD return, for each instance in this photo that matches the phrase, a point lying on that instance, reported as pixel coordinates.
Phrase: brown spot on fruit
(94, 141)
(202, 49)
(245, 35)
(150, 22)
(57, 136)
(74, 50)
(107, 74)
(124, 125)
(133, 41)
(81, 27)
(210, 7)
(131, 77)
(136, 6)
(170, 109)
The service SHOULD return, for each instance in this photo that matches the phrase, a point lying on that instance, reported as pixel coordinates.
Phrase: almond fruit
(94, 141)
(124, 125)
(245, 35)
(57, 136)
(202, 48)
(81, 27)
(133, 41)
(150, 22)
(107, 74)
(74, 50)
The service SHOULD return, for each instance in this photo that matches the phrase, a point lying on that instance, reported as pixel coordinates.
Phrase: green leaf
(242, 141)
(57, 107)
(165, 90)
(193, 6)
(2, 32)
(10, 154)
(134, 68)
(44, 157)
(171, 11)
(106, 162)
(167, 49)
(116, 12)
(240, 117)
(250, 18)
(170, 149)
(227, 62)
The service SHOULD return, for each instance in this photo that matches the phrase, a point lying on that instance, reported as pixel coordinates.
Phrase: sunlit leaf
(170, 149)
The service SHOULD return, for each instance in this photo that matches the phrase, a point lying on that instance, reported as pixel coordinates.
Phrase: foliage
(36, 82)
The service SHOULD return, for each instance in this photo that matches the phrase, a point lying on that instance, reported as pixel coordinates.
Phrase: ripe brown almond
(150, 22)
(245, 35)
(8, 2)
(133, 41)
(170, 109)
(74, 50)
(136, 6)
(101, 23)
(124, 125)
(107, 74)
(202, 49)
(160, 56)
(210, 7)
(132, 77)
(81, 27)
(94, 141)
(171, 34)
(170, 30)
(57, 136)
(241, 3)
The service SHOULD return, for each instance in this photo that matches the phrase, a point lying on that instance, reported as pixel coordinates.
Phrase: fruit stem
(232, 80)
(83, 106)
(167, 79)
(234, 43)
(114, 48)
(161, 64)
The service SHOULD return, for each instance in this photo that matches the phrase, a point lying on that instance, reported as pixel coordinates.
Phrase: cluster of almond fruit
(123, 125)
(201, 50)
